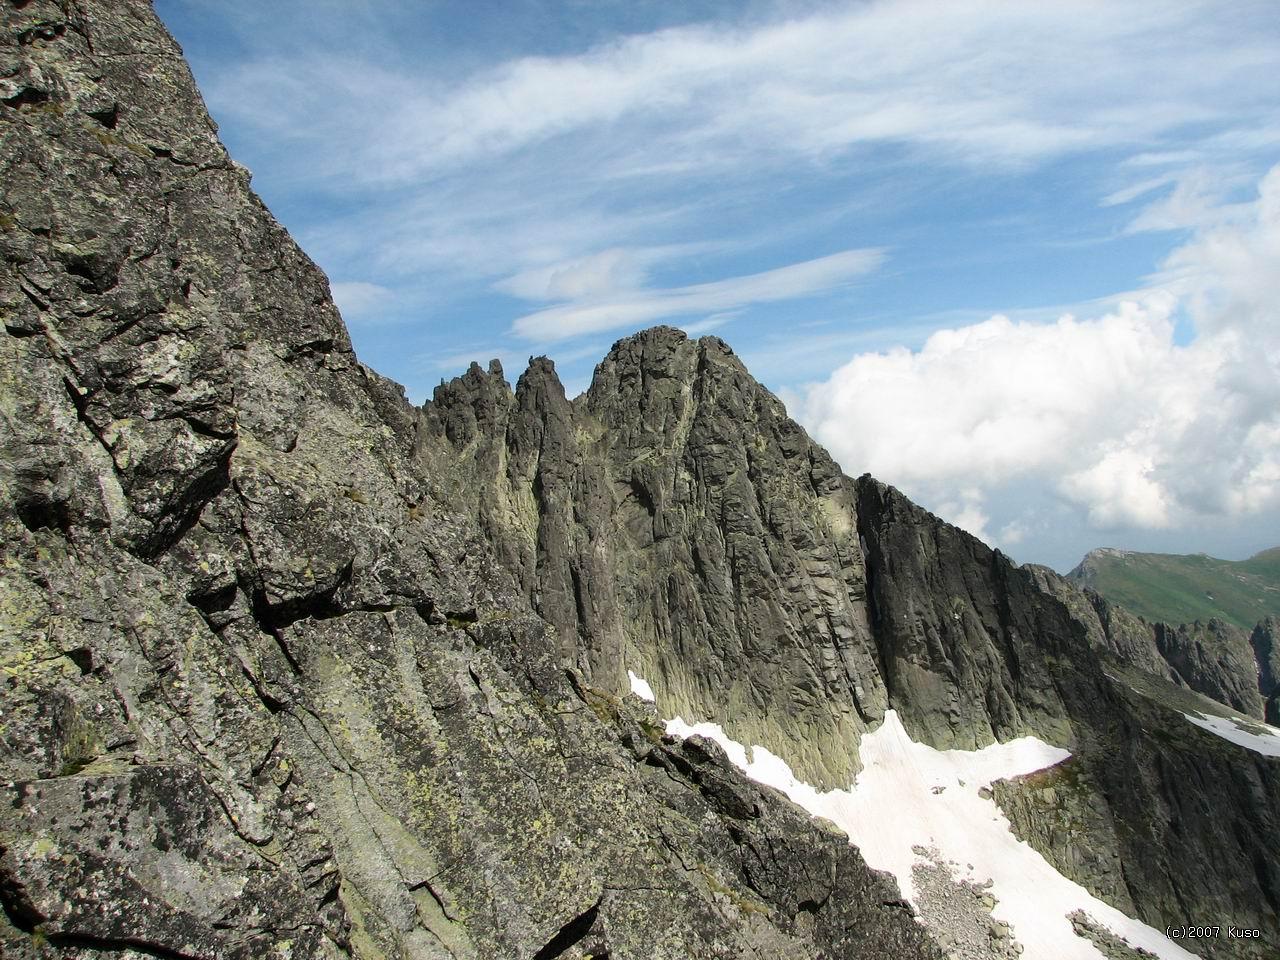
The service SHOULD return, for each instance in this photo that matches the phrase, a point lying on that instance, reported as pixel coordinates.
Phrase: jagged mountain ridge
(1211, 619)
(677, 522)
(637, 509)
(270, 656)
(633, 517)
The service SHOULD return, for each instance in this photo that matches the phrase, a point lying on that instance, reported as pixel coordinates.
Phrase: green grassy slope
(1179, 589)
(1265, 564)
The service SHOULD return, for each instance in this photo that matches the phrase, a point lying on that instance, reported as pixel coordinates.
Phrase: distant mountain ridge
(1176, 589)
(674, 522)
(1214, 621)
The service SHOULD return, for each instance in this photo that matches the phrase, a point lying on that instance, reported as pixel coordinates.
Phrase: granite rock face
(1265, 641)
(968, 640)
(1150, 813)
(1109, 626)
(267, 694)
(673, 521)
(1215, 659)
(1217, 649)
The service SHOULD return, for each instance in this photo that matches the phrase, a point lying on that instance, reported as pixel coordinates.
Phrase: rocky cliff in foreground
(266, 695)
(293, 669)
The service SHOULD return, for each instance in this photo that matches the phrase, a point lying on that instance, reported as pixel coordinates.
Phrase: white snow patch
(640, 687)
(1266, 743)
(909, 794)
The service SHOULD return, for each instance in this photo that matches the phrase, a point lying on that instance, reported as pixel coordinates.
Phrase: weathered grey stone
(967, 639)
(1215, 659)
(1212, 658)
(1111, 946)
(268, 691)
(1266, 653)
(1109, 626)
(677, 523)
(657, 516)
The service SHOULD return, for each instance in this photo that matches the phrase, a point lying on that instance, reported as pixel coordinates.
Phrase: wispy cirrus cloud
(641, 308)
(597, 275)
(989, 81)
(636, 138)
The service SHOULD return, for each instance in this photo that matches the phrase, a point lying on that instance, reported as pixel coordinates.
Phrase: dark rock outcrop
(1109, 626)
(1215, 659)
(1137, 813)
(1265, 641)
(968, 640)
(1149, 806)
(266, 693)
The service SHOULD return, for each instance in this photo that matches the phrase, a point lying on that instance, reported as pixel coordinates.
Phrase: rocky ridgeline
(293, 669)
(1215, 659)
(678, 524)
(265, 693)
(1211, 653)
(673, 521)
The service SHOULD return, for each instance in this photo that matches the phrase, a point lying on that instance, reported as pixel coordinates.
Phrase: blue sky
(847, 193)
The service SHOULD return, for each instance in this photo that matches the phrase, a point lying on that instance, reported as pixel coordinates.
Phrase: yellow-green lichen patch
(734, 896)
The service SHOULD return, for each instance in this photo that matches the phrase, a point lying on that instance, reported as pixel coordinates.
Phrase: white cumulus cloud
(1111, 412)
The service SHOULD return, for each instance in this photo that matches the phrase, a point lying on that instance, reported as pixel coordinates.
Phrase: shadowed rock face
(1212, 658)
(1219, 651)
(1265, 641)
(968, 640)
(266, 693)
(291, 669)
(966, 637)
(678, 524)
(674, 521)
(1215, 659)
(1107, 625)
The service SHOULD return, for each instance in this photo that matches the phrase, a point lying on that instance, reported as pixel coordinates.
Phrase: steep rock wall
(680, 525)
(266, 694)
(677, 523)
